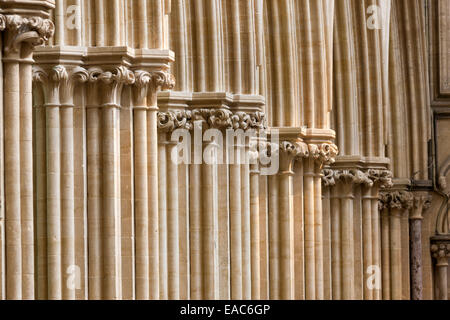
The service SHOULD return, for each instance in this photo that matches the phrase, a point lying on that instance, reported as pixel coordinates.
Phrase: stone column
(348, 264)
(104, 119)
(288, 153)
(21, 34)
(422, 201)
(396, 203)
(255, 224)
(441, 252)
(141, 185)
(168, 162)
(58, 234)
(310, 285)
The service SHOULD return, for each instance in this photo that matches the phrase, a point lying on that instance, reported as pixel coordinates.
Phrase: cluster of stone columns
(108, 246)
(401, 237)
(223, 252)
(350, 201)
(94, 207)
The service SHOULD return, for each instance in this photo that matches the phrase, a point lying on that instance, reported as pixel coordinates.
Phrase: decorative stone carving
(348, 176)
(172, 120)
(396, 200)
(59, 83)
(111, 83)
(440, 250)
(213, 118)
(324, 153)
(35, 31)
(381, 177)
(368, 178)
(145, 80)
(163, 80)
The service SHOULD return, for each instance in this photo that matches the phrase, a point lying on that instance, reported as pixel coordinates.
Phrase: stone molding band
(169, 121)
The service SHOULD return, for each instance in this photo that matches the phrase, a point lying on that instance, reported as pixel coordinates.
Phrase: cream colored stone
(88, 188)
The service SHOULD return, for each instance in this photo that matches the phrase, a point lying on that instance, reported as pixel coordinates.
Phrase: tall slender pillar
(441, 253)
(288, 154)
(21, 35)
(422, 202)
(310, 286)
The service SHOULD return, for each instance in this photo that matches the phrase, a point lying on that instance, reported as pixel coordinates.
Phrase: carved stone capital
(107, 85)
(163, 80)
(289, 152)
(441, 252)
(324, 153)
(171, 120)
(383, 178)
(421, 203)
(347, 176)
(396, 200)
(35, 31)
(59, 82)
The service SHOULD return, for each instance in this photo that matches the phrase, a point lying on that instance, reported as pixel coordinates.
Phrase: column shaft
(415, 236)
(68, 202)
(396, 254)
(53, 203)
(141, 205)
(310, 265)
(12, 182)
(94, 207)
